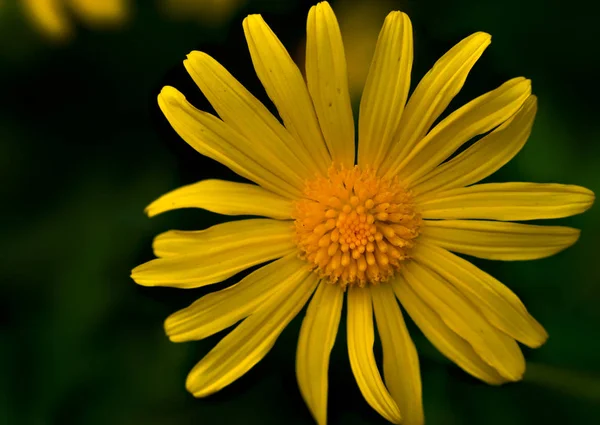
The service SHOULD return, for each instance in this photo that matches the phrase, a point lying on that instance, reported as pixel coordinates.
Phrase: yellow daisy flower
(51, 17)
(378, 230)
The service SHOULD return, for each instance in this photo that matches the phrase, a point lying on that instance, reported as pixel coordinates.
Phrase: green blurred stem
(568, 381)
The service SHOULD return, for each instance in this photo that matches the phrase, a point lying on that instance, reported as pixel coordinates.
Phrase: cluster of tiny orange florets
(354, 227)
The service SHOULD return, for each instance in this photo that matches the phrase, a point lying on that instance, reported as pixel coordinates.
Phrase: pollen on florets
(355, 228)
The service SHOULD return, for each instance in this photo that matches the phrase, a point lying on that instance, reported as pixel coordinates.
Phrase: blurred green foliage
(84, 148)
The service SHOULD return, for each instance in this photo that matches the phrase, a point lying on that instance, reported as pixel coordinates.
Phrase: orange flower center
(354, 227)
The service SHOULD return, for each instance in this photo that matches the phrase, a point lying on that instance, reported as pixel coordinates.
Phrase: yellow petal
(484, 157)
(245, 114)
(221, 237)
(386, 90)
(507, 201)
(105, 13)
(211, 263)
(360, 350)
(286, 88)
(442, 337)
(400, 360)
(224, 197)
(494, 347)
(476, 117)
(252, 339)
(213, 138)
(218, 310)
(49, 17)
(498, 304)
(327, 80)
(495, 240)
(317, 335)
(433, 94)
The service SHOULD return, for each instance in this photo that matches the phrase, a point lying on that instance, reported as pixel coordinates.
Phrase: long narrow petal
(507, 201)
(218, 310)
(221, 237)
(476, 117)
(361, 337)
(500, 306)
(252, 339)
(286, 88)
(317, 336)
(327, 79)
(400, 360)
(244, 113)
(496, 240)
(215, 139)
(386, 90)
(496, 348)
(433, 95)
(484, 157)
(442, 337)
(224, 197)
(211, 264)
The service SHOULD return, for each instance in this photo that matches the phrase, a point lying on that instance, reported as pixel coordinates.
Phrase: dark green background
(84, 148)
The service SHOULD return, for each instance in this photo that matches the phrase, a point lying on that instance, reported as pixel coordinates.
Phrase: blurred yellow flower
(373, 225)
(52, 18)
(208, 12)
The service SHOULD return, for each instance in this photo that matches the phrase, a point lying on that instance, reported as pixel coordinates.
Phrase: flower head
(375, 230)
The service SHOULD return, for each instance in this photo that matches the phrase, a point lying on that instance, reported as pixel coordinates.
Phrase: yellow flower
(51, 17)
(377, 230)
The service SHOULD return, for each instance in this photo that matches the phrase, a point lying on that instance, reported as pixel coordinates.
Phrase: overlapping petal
(286, 88)
(215, 139)
(494, 347)
(248, 116)
(500, 306)
(442, 337)
(317, 335)
(218, 310)
(484, 157)
(400, 361)
(433, 95)
(361, 337)
(198, 262)
(252, 339)
(476, 117)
